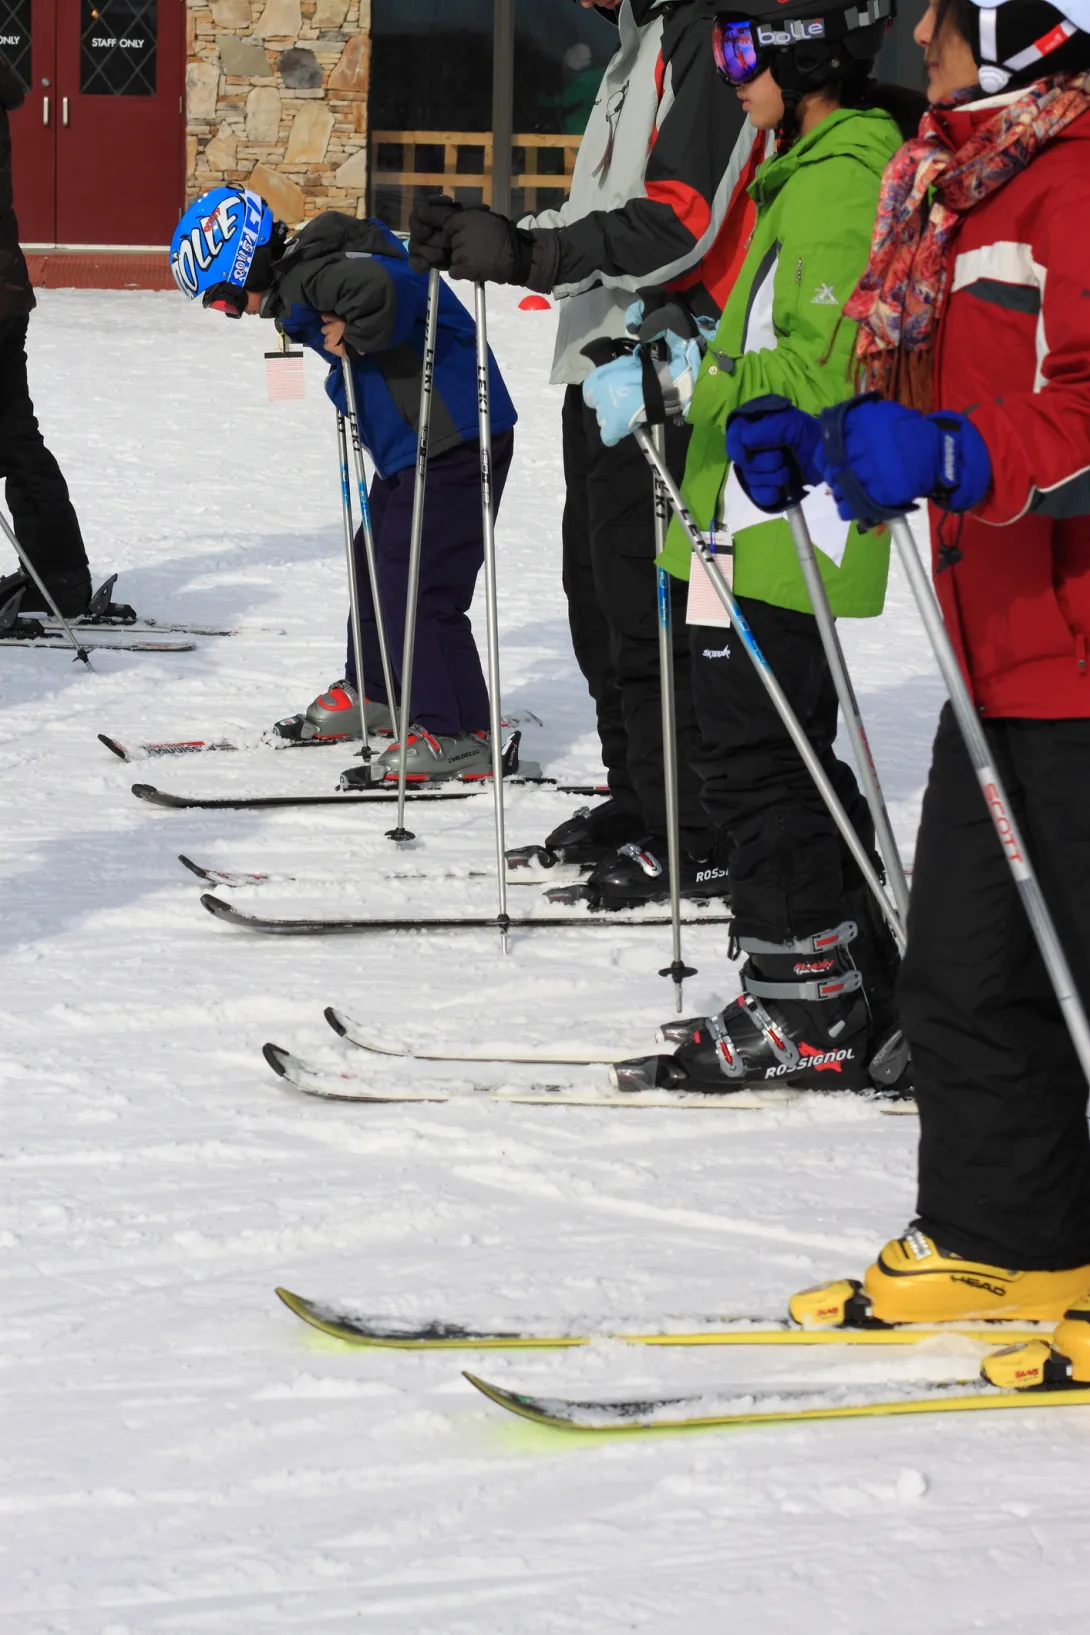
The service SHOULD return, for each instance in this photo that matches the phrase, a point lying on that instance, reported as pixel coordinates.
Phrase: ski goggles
(737, 55)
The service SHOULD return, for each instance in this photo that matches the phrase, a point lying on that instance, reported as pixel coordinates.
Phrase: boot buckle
(783, 1048)
(730, 1065)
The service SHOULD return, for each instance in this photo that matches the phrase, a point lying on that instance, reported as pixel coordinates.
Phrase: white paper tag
(284, 378)
(704, 606)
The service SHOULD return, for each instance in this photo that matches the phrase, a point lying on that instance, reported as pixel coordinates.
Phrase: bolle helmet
(805, 43)
(1010, 38)
(214, 246)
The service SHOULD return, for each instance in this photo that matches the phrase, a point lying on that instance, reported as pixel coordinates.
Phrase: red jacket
(1014, 353)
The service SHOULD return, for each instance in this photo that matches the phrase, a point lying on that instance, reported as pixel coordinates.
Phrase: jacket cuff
(544, 260)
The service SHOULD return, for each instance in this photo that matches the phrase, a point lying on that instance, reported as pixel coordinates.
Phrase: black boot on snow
(640, 873)
(591, 834)
(71, 592)
(802, 1022)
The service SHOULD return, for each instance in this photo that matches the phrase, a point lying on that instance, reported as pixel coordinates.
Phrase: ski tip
(336, 1021)
(194, 868)
(277, 1058)
(220, 910)
(114, 747)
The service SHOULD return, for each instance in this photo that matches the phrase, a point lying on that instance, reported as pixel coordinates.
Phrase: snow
(181, 1455)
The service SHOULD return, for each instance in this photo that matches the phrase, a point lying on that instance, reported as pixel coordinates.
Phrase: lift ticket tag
(704, 606)
(284, 378)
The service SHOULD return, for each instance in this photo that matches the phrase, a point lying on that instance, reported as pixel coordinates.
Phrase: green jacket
(816, 205)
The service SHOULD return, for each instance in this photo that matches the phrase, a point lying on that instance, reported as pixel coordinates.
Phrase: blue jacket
(359, 271)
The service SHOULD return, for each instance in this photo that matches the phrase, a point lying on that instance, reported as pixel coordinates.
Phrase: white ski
(568, 1055)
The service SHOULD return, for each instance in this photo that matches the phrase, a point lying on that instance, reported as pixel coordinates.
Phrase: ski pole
(772, 686)
(995, 795)
(353, 588)
(677, 969)
(77, 647)
(368, 535)
(488, 524)
(427, 380)
(849, 708)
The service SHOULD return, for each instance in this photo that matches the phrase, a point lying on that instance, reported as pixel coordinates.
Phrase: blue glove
(776, 451)
(879, 456)
(617, 391)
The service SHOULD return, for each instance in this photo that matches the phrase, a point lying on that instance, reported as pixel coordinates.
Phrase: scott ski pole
(368, 535)
(353, 588)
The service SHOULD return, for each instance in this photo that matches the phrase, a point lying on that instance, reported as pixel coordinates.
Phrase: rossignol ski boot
(587, 838)
(1065, 1360)
(334, 716)
(915, 1281)
(639, 873)
(801, 1022)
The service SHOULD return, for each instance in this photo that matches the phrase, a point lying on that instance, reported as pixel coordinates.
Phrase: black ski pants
(611, 585)
(790, 871)
(1004, 1146)
(44, 519)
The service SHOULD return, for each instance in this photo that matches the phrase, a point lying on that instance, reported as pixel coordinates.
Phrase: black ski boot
(591, 834)
(802, 1022)
(71, 592)
(640, 873)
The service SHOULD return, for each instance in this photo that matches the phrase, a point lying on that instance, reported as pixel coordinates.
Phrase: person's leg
(1004, 1149)
(592, 640)
(622, 535)
(42, 513)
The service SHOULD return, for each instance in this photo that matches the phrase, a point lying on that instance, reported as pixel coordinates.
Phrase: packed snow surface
(180, 1454)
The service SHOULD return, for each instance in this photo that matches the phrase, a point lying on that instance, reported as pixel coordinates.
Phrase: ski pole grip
(869, 512)
(756, 410)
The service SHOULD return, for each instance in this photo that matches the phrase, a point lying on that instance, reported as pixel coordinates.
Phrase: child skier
(817, 982)
(345, 285)
(974, 305)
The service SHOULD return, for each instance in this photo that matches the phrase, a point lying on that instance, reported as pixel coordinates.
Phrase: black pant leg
(592, 639)
(1004, 1147)
(43, 516)
(622, 532)
(789, 869)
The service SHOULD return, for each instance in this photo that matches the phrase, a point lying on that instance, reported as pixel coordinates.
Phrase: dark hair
(904, 106)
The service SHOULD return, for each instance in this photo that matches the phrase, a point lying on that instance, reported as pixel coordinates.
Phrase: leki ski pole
(677, 970)
(427, 382)
(995, 796)
(368, 538)
(771, 685)
(849, 709)
(488, 525)
(353, 588)
(28, 566)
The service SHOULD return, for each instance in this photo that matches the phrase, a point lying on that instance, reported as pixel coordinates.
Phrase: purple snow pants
(449, 691)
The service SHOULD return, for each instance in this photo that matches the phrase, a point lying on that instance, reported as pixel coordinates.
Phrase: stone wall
(276, 94)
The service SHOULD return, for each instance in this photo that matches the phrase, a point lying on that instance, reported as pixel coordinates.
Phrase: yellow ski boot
(914, 1281)
(1065, 1362)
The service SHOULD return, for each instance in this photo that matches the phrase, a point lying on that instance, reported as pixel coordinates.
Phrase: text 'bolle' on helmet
(1017, 41)
(805, 43)
(214, 245)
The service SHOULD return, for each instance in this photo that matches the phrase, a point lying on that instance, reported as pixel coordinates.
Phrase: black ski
(455, 922)
(380, 795)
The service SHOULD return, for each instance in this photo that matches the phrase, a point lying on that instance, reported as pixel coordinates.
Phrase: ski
(450, 789)
(452, 922)
(58, 639)
(232, 879)
(146, 627)
(332, 1085)
(735, 1408)
(144, 752)
(399, 1334)
(571, 1055)
(268, 740)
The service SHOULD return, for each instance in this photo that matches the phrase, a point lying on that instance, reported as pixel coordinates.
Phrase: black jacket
(16, 295)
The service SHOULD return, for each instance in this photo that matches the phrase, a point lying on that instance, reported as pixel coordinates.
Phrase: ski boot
(1064, 1361)
(587, 838)
(915, 1281)
(815, 1033)
(430, 758)
(640, 873)
(21, 598)
(334, 716)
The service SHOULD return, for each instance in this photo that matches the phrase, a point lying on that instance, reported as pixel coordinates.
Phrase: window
(117, 47)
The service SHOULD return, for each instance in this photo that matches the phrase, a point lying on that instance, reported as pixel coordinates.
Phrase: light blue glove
(615, 391)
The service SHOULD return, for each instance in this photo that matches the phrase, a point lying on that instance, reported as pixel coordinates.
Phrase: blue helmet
(214, 244)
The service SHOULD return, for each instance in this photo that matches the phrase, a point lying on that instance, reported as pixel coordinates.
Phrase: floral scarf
(927, 187)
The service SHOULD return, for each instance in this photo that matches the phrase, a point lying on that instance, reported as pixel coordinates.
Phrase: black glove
(428, 247)
(487, 248)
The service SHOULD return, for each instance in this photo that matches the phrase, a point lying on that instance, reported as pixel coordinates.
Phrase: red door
(99, 147)
(28, 41)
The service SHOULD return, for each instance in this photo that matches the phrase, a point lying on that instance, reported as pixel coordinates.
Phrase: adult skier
(816, 1002)
(974, 326)
(344, 288)
(42, 513)
(658, 198)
